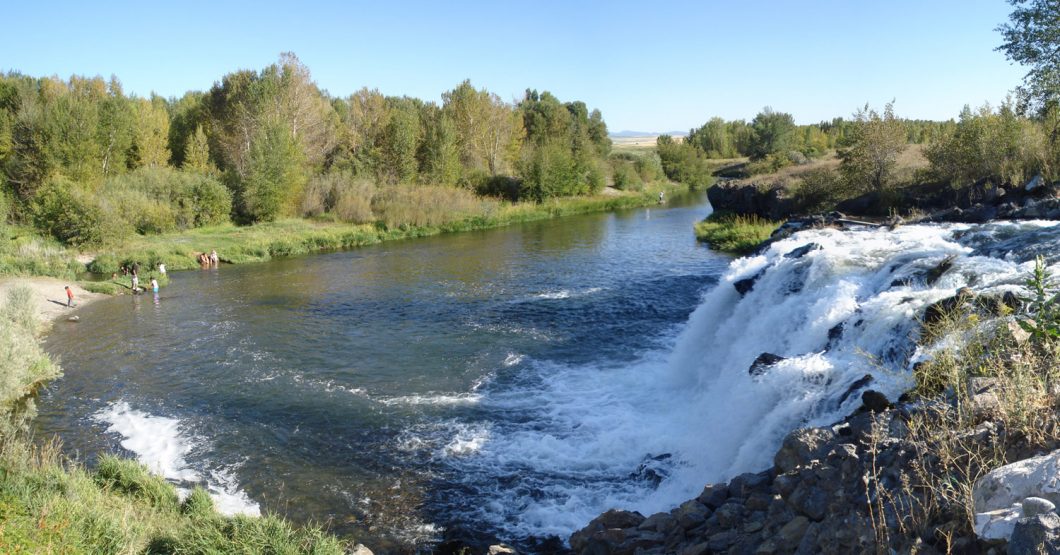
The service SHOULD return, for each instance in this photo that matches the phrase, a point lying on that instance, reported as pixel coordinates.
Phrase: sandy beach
(50, 295)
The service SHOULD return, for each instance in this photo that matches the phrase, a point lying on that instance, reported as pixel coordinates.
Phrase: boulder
(360, 549)
(803, 250)
(874, 401)
(802, 446)
(606, 528)
(1033, 506)
(1036, 534)
(998, 496)
(763, 362)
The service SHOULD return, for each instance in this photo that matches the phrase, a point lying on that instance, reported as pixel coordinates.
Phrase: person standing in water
(69, 296)
(154, 285)
(135, 282)
(214, 258)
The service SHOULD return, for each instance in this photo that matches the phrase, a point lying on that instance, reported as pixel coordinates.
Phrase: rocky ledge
(855, 487)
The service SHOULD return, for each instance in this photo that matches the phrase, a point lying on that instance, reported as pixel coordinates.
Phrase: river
(492, 382)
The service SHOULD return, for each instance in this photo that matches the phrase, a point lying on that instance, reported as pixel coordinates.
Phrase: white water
(158, 443)
(593, 426)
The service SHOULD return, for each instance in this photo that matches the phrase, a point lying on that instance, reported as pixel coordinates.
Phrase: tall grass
(734, 233)
(23, 365)
(24, 253)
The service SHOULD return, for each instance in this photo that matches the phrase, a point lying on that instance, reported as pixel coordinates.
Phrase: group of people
(133, 272)
(209, 260)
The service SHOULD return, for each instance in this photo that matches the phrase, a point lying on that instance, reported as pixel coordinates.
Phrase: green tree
(197, 153)
(1032, 38)
(151, 133)
(274, 178)
(772, 133)
(876, 141)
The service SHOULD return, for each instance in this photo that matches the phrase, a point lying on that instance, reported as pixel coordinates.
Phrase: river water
(487, 381)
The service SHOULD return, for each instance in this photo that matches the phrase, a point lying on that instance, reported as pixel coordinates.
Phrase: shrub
(402, 206)
(821, 189)
(734, 233)
(76, 217)
(626, 177)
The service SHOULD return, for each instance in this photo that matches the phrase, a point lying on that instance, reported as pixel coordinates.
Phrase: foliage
(876, 141)
(272, 179)
(820, 189)
(772, 132)
(1042, 314)
(23, 364)
(996, 145)
(684, 163)
(1032, 38)
(735, 233)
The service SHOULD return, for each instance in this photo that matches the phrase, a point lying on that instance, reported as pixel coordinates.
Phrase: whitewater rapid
(836, 305)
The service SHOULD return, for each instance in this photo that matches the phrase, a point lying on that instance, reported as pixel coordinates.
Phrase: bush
(733, 233)
(76, 217)
(999, 146)
(684, 163)
(626, 177)
(820, 189)
(403, 206)
(341, 194)
(500, 186)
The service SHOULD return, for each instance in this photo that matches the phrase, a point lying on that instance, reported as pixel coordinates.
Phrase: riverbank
(52, 504)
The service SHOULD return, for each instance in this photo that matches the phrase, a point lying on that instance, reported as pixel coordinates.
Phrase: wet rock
(744, 286)
(729, 514)
(858, 384)
(763, 362)
(936, 273)
(1034, 183)
(874, 401)
(936, 311)
(835, 333)
(748, 483)
(1034, 535)
(803, 250)
(653, 469)
(658, 522)
(1033, 506)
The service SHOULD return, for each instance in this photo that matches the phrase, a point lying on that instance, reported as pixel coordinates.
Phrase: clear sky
(647, 65)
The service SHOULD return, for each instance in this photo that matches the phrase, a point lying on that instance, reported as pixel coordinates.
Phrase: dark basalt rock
(855, 387)
(874, 401)
(744, 286)
(803, 250)
(763, 363)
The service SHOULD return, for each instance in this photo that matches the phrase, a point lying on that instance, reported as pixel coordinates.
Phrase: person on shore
(214, 259)
(69, 296)
(162, 268)
(154, 285)
(662, 197)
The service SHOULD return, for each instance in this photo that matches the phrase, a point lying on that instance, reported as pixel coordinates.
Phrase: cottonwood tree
(151, 133)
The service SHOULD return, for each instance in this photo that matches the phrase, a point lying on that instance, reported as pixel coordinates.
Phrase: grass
(49, 504)
(24, 253)
(734, 233)
(262, 242)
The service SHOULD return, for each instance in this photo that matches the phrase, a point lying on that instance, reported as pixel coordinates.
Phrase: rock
(729, 514)
(810, 499)
(998, 495)
(936, 273)
(803, 250)
(800, 447)
(658, 522)
(747, 483)
(721, 541)
(791, 533)
(501, 549)
(763, 362)
(606, 528)
(936, 311)
(1033, 506)
(360, 549)
(982, 395)
(714, 495)
(691, 514)
(1019, 335)
(74, 319)
(1034, 183)
(1036, 534)
(744, 286)
(874, 401)
(695, 549)
(854, 387)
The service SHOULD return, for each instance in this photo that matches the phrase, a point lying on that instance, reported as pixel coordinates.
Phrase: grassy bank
(261, 242)
(49, 504)
(733, 233)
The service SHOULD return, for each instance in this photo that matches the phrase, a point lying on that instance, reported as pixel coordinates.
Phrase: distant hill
(627, 133)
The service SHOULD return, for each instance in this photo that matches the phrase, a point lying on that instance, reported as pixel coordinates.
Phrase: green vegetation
(734, 233)
(86, 164)
(51, 505)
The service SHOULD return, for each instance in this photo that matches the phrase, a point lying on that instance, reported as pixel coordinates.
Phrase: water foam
(159, 444)
(838, 311)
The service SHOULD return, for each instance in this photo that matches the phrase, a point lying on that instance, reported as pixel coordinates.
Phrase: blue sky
(649, 66)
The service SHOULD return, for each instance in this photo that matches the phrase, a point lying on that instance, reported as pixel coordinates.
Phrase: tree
(877, 140)
(772, 133)
(151, 133)
(487, 129)
(1032, 38)
(197, 154)
(274, 178)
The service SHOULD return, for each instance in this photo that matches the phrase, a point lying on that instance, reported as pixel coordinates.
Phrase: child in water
(154, 285)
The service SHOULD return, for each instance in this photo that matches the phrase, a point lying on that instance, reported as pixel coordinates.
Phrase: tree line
(86, 162)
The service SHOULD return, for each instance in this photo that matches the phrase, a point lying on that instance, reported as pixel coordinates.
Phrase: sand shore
(50, 295)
